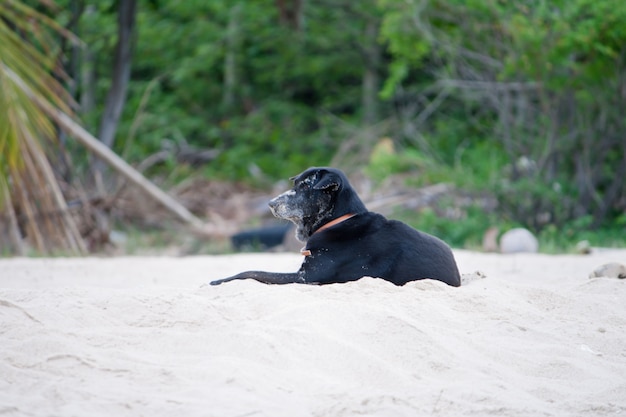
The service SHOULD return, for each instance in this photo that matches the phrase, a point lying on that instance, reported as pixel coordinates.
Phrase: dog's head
(318, 196)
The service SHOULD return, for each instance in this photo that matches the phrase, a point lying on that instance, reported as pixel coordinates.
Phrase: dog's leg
(265, 277)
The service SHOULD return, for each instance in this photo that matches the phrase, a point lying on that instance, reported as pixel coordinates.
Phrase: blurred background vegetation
(518, 105)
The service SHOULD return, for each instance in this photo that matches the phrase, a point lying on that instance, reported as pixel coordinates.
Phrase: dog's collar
(334, 222)
(306, 252)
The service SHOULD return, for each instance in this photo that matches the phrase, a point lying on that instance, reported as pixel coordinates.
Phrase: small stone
(610, 270)
(518, 240)
(583, 247)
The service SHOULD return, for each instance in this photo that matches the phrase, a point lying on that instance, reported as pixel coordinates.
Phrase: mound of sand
(145, 337)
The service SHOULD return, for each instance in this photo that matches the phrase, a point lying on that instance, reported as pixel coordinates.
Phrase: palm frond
(30, 197)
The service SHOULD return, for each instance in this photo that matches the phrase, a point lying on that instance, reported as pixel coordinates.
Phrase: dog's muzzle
(274, 204)
(280, 206)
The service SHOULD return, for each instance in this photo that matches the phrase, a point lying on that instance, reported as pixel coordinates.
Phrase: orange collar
(304, 251)
(334, 222)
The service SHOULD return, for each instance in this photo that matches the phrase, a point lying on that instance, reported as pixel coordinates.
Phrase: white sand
(143, 337)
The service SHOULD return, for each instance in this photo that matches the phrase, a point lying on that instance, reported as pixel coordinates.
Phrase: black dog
(345, 242)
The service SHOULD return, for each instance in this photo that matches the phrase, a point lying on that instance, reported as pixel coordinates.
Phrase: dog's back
(423, 256)
(370, 245)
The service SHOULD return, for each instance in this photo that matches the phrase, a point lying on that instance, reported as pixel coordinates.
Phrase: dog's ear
(329, 181)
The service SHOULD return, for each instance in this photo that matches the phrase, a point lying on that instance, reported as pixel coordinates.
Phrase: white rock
(518, 240)
(610, 270)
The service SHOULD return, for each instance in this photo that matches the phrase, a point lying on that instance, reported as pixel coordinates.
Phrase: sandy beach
(145, 336)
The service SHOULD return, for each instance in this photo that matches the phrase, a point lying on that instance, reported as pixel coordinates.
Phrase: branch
(98, 148)
(490, 85)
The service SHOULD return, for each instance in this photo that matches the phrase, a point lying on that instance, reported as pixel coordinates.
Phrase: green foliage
(536, 81)
(283, 79)
(469, 87)
(578, 41)
(443, 221)
(565, 238)
(474, 165)
(26, 71)
(537, 203)
(384, 164)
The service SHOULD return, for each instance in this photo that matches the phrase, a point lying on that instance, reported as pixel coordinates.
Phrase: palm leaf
(30, 197)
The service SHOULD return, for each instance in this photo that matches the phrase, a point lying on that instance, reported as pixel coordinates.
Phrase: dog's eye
(304, 185)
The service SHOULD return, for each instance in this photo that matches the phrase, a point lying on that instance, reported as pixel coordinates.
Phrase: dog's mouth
(277, 212)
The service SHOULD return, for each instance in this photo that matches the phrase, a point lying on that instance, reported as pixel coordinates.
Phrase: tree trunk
(291, 13)
(88, 83)
(87, 77)
(122, 167)
(121, 75)
(230, 61)
(371, 80)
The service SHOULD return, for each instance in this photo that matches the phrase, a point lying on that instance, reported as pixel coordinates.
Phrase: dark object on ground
(261, 238)
(346, 242)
